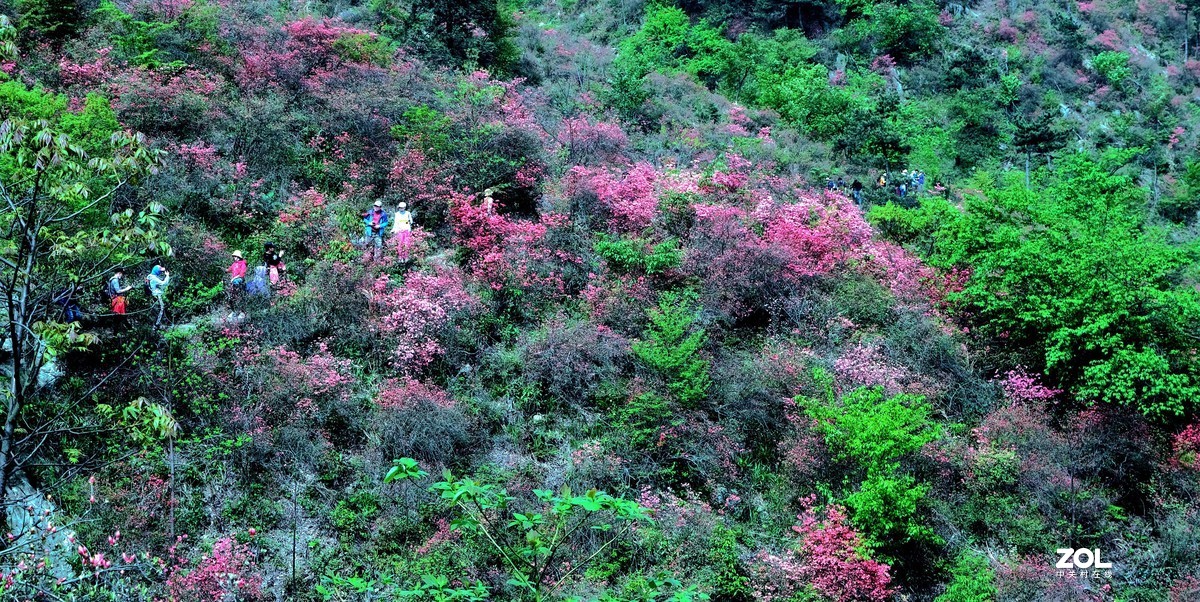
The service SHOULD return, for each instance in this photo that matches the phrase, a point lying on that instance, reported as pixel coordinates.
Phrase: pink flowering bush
(230, 571)
(828, 560)
(512, 253)
(588, 141)
(818, 234)
(410, 317)
(1021, 387)
(631, 199)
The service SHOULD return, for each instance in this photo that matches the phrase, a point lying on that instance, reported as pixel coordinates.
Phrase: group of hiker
(117, 291)
(266, 275)
(855, 188)
(907, 183)
(375, 223)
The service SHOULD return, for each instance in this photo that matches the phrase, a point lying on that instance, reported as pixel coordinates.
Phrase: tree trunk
(1027, 158)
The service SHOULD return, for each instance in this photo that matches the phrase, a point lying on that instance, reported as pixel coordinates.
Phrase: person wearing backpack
(375, 221)
(274, 260)
(115, 291)
(156, 284)
(403, 230)
(66, 298)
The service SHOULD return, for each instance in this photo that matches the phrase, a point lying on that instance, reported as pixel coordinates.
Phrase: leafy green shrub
(364, 48)
(875, 433)
(671, 346)
(972, 580)
(641, 419)
(905, 31)
(1073, 274)
(354, 515)
(1113, 66)
(626, 254)
(55, 19)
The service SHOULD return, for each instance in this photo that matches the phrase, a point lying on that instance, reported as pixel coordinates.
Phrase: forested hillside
(599, 300)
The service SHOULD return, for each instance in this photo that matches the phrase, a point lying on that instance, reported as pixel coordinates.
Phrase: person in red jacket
(237, 270)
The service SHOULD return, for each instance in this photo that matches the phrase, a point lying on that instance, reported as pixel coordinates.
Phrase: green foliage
(972, 580)
(727, 582)
(906, 31)
(918, 226)
(404, 469)
(8, 41)
(532, 542)
(627, 254)
(1113, 66)
(55, 19)
(160, 44)
(876, 433)
(364, 48)
(870, 429)
(439, 589)
(447, 30)
(1074, 274)
(1185, 203)
(641, 419)
(672, 344)
(354, 515)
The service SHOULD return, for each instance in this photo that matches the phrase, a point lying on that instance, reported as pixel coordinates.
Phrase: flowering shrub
(589, 141)
(829, 560)
(511, 252)
(1022, 387)
(410, 317)
(818, 234)
(631, 199)
(408, 393)
(230, 571)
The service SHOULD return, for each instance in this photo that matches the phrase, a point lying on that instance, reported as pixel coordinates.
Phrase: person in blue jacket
(375, 222)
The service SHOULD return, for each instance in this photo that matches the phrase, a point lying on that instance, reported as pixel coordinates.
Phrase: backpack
(108, 292)
(146, 287)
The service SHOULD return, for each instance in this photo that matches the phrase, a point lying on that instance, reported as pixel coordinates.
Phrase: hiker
(841, 183)
(830, 185)
(882, 182)
(237, 270)
(257, 286)
(856, 190)
(156, 283)
(920, 181)
(403, 230)
(116, 292)
(488, 201)
(70, 307)
(274, 260)
(374, 223)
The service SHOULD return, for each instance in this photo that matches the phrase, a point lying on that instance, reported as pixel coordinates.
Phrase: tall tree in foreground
(62, 226)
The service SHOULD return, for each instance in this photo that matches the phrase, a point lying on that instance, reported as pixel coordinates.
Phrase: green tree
(876, 433)
(58, 176)
(533, 542)
(1072, 273)
(55, 19)
(461, 32)
(672, 344)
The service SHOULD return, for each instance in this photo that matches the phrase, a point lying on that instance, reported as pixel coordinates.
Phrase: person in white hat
(237, 270)
(402, 228)
(375, 221)
(488, 201)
